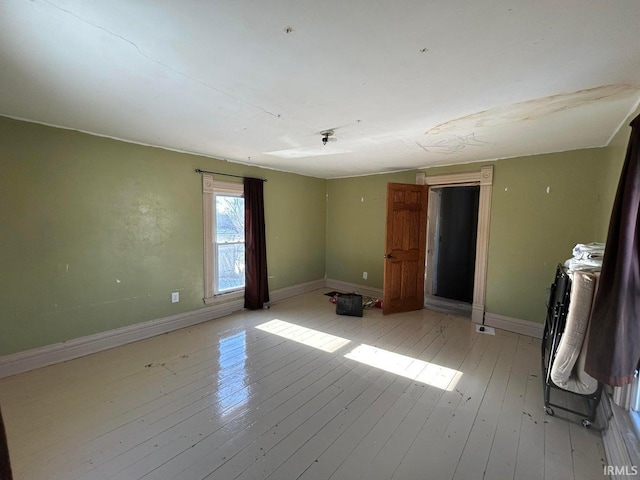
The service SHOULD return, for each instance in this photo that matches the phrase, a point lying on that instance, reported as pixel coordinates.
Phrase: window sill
(224, 297)
(635, 421)
(628, 425)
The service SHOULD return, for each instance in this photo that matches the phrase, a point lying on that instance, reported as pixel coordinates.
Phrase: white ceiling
(405, 84)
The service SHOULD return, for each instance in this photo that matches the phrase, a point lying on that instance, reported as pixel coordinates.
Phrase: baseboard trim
(64, 351)
(294, 290)
(79, 347)
(477, 313)
(514, 325)
(495, 320)
(353, 287)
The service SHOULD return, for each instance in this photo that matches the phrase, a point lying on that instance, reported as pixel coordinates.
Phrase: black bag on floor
(349, 304)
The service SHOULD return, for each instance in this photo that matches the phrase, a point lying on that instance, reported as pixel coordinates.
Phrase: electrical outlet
(175, 297)
(365, 275)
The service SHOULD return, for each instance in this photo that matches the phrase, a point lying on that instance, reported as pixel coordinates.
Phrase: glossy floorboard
(299, 392)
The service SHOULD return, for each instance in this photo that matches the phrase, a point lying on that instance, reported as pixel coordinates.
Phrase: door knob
(388, 255)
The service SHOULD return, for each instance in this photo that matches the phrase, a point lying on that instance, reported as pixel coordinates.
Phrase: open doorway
(451, 251)
(484, 178)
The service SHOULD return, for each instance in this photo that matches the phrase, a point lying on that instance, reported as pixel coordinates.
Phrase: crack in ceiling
(162, 64)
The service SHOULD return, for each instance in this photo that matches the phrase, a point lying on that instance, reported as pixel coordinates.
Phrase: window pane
(229, 218)
(230, 266)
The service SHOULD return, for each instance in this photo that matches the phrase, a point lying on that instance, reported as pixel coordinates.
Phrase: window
(223, 207)
(634, 407)
(228, 240)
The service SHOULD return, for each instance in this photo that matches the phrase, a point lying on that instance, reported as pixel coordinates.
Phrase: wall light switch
(365, 275)
(175, 297)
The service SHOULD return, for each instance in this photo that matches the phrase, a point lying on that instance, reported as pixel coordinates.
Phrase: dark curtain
(5, 465)
(256, 289)
(614, 341)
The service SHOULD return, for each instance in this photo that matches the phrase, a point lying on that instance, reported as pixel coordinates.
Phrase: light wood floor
(299, 392)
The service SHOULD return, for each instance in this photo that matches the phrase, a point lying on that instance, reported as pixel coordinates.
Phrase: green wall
(609, 176)
(531, 230)
(356, 210)
(611, 170)
(97, 233)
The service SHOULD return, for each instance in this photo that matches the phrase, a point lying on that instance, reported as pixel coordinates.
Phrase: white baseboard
(353, 287)
(61, 352)
(477, 313)
(79, 347)
(294, 290)
(495, 320)
(514, 325)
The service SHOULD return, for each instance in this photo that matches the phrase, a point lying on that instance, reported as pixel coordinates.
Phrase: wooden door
(405, 247)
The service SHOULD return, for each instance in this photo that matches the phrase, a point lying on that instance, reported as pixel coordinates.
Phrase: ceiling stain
(536, 109)
(452, 145)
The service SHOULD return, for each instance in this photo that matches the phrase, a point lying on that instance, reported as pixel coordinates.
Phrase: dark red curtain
(256, 289)
(5, 465)
(614, 340)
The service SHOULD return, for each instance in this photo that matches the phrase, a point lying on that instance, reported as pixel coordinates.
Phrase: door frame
(433, 232)
(483, 178)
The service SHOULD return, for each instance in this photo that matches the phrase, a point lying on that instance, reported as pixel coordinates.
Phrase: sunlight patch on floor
(307, 336)
(408, 367)
(424, 372)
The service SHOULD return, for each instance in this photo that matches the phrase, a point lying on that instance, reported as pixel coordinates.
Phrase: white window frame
(628, 424)
(210, 188)
(634, 407)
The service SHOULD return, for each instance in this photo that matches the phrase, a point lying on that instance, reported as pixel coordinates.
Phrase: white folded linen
(586, 251)
(587, 265)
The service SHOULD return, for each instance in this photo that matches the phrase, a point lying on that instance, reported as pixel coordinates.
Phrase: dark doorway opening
(456, 243)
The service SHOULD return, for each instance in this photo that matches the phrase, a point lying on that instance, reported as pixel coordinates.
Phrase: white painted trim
(207, 230)
(294, 290)
(515, 325)
(224, 297)
(495, 320)
(483, 178)
(79, 347)
(477, 314)
(470, 178)
(353, 287)
(211, 187)
(618, 435)
(432, 247)
(482, 241)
